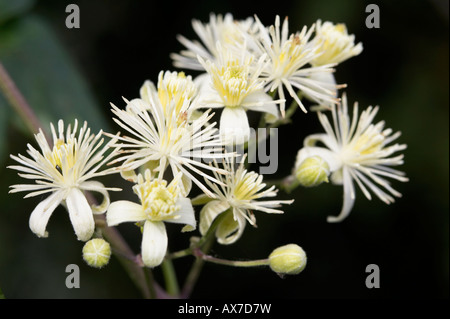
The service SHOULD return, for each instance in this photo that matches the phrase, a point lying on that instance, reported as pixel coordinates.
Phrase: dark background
(403, 68)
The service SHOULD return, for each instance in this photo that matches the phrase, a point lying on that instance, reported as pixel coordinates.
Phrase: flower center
(231, 82)
(370, 142)
(334, 39)
(158, 200)
(247, 186)
(175, 88)
(63, 152)
(290, 56)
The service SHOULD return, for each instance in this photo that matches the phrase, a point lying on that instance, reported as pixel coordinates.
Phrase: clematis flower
(172, 87)
(234, 85)
(356, 150)
(65, 170)
(230, 33)
(288, 67)
(159, 203)
(163, 136)
(241, 195)
(335, 46)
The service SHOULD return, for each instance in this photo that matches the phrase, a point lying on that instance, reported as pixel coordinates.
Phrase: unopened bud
(97, 252)
(313, 171)
(289, 259)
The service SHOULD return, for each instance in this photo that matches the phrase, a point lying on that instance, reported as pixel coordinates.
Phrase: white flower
(231, 34)
(172, 87)
(356, 150)
(335, 44)
(241, 195)
(159, 203)
(65, 171)
(234, 84)
(288, 66)
(162, 137)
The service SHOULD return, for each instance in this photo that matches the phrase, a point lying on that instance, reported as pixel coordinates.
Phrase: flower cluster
(171, 141)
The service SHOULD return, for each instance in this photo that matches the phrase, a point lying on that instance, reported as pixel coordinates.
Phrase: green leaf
(45, 74)
(10, 9)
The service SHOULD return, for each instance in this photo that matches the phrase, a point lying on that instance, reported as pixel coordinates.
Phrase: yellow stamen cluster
(62, 150)
(291, 53)
(335, 44)
(367, 143)
(159, 201)
(248, 186)
(175, 88)
(231, 81)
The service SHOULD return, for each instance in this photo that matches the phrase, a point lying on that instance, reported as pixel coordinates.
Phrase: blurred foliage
(11, 9)
(403, 68)
(43, 71)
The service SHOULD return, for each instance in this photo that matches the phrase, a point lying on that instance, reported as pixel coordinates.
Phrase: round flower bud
(313, 171)
(97, 252)
(289, 259)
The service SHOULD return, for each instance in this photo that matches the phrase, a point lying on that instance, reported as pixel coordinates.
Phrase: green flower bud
(289, 259)
(313, 171)
(97, 252)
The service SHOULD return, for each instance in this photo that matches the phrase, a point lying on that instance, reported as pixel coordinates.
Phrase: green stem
(180, 253)
(203, 245)
(125, 256)
(200, 242)
(150, 280)
(170, 278)
(195, 271)
(287, 116)
(235, 263)
(288, 183)
(19, 103)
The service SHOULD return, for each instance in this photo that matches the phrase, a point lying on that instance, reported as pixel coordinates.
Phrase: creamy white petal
(147, 90)
(231, 228)
(95, 186)
(349, 198)
(154, 243)
(186, 214)
(201, 81)
(124, 211)
(261, 102)
(327, 140)
(234, 125)
(41, 214)
(209, 212)
(330, 157)
(80, 214)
